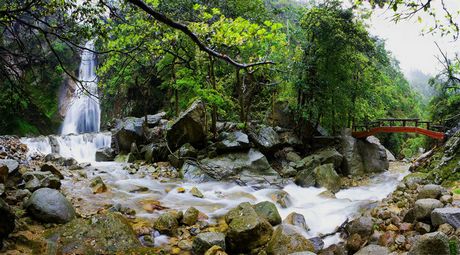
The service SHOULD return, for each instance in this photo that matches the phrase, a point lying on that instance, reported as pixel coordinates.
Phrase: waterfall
(83, 115)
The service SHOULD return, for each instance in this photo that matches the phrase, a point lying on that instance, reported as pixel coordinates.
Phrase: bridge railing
(399, 123)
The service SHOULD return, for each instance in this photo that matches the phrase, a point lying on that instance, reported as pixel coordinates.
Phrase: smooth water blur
(84, 113)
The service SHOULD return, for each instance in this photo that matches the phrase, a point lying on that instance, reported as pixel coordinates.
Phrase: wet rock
(51, 168)
(424, 207)
(196, 192)
(246, 230)
(327, 177)
(185, 152)
(296, 219)
(106, 154)
(373, 154)
(281, 197)
(204, 241)
(49, 205)
(188, 127)
(287, 240)
(215, 250)
(36, 180)
(450, 215)
(373, 249)
(190, 216)
(362, 226)
(53, 157)
(329, 156)
(97, 185)
(432, 243)
(7, 222)
(70, 162)
(353, 163)
(422, 228)
(235, 141)
(318, 243)
(430, 191)
(155, 119)
(266, 139)
(126, 132)
(12, 164)
(147, 240)
(409, 216)
(268, 211)
(101, 234)
(288, 171)
(305, 178)
(354, 242)
(166, 224)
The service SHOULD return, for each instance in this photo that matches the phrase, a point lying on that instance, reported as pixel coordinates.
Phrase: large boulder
(234, 141)
(246, 230)
(352, 161)
(430, 191)
(327, 177)
(167, 223)
(7, 221)
(362, 226)
(189, 127)
(36, 180)
(306, 176)
(204, 241)
(373, 154)
(126, 132)
(101, 234)
(287, 240)
(424, 207)
(328, 155)
(281, 115)
(268, 211)
(373, 249)
(49, 205)
(432, 243)
(266, 139)
(449, 215)
(10, 163)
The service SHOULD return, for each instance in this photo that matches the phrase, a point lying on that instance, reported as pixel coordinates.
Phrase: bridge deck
(389, 129)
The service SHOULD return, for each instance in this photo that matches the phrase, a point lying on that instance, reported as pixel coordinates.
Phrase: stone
(373, 154)
(422, 228)
(305, 178)
(196, 192)
(147, 240)
(166, 224)
(51, 168)
(353, 163)
(3, 173)
(126, 132)
(354, 242)
(234, 141)
(293, 156)
(362, 226)
(409, 216)
(204, 241)
(107, 233)
(330, 156)
(424, 207)
(318, 243)
(287, 240)
(246, 230)
(282, 198)
(7, 222)
(12, 164)
(266, 139)
(373, 249)
(446, 229)
(189, 127)
(268, 211)
(35, 180)
(296, 219)
(446, 199)
(449, 215)
(281, 115)
(97, 185)
(432, 243)
(327, 177)
(155, 119)
(50, 206)
(190, 216)
(106, 154)
(430, 191)
(215, 250)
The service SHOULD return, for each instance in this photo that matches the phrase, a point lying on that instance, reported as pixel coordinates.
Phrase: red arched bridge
(399, 126)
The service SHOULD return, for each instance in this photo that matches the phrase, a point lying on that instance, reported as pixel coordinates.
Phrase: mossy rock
(102, 234)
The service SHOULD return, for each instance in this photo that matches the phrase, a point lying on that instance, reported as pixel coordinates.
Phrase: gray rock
(188, 127)
(296, 219)
(7, 224)
(36, 180)
(282, 198)
(154, 120)
(305, 178)
(373, 249)
(293, 156)
(287, 240)
(246, 230)
(49, 205)
(266, 139)
(430, 191)
(329, 156)
(424, 207)
(327, 177)
(303, 253)
(12, 164)
(190, 216)
(235, 141)
(318, 243)
(166, 224)
(52, 168)
(126, 132)
(449, 215)
(422, 228)
(107, 154)
(432, 243)
(289, 138)
(373, 154)
(204, 241)
(268, 211)
(353, 162)
(362, 226)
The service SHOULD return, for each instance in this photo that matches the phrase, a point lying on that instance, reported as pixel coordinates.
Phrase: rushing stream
(133, 188)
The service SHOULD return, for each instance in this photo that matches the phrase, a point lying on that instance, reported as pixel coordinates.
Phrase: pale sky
(404, 40)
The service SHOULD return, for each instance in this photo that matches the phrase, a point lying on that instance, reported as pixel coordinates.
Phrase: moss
(26, 128)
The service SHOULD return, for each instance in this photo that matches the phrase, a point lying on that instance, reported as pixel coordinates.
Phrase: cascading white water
(84, 113)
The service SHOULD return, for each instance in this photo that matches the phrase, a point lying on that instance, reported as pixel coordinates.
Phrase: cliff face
(442, 164)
